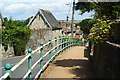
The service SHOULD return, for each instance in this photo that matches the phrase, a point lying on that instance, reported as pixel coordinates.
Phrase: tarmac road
(22, 69)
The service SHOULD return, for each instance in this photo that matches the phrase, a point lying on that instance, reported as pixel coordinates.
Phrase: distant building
(66, 28)
(44, 26)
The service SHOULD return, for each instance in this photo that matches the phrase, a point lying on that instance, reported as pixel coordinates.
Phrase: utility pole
(73, 12)
(67, 21)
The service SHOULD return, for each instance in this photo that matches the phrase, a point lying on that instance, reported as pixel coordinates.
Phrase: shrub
(100, 31)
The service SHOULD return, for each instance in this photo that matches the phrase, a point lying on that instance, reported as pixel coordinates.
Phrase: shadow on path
(81, 68)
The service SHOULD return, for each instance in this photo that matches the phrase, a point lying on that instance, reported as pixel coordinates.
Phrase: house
(66, 28)
(44, 26)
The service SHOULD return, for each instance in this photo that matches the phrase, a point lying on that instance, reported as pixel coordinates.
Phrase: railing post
(71, 40)
(50, 49)
(65, 44)
(78, 42)
(7, 70)
(60, 47)
(63, 40)
(30, 63)
(75, 41)
(41, 54)
(68, 39)
(55, 44)
(60, 42)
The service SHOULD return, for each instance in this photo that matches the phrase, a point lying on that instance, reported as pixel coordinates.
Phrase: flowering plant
(100, 31)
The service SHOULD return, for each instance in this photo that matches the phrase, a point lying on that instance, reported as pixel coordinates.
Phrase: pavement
(70, 64)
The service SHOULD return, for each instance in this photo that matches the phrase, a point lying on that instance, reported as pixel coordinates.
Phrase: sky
(22, 9)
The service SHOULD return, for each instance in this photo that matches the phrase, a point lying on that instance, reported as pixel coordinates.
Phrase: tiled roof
(50, 19)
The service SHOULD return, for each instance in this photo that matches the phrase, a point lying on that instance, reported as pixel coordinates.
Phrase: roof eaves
(56, 29)
(31, 20)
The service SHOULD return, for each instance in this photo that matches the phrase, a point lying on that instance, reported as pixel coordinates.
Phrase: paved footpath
(70, 64)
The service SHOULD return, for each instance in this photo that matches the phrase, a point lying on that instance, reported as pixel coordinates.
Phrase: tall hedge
(15, 33)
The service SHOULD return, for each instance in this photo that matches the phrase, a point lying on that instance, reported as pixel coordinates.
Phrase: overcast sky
(22, 9)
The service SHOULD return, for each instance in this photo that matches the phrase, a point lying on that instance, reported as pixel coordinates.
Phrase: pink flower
(104, 16)
(104, 21)
(98, 19)
(108, 20)
(90, 1)
(91, 33)
(97, 28)
(94, 24)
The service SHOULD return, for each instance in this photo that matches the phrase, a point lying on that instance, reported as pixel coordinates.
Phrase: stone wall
(57, 33)
(8, 53)
(37, 36)
(38, 23)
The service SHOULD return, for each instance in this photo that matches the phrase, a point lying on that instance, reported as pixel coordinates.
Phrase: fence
(106, 56)
(105, 59)
(116, 33)
(55, 46)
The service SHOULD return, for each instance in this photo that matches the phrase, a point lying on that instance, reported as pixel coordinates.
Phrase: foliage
(84, 7)
(15, 33)
(86, 25)
(27, 20)
(109, 9)
(100, 32)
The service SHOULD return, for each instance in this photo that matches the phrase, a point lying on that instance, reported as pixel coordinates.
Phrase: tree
(86, 25)
(28, 20)
(5, 19)
(109, 9)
